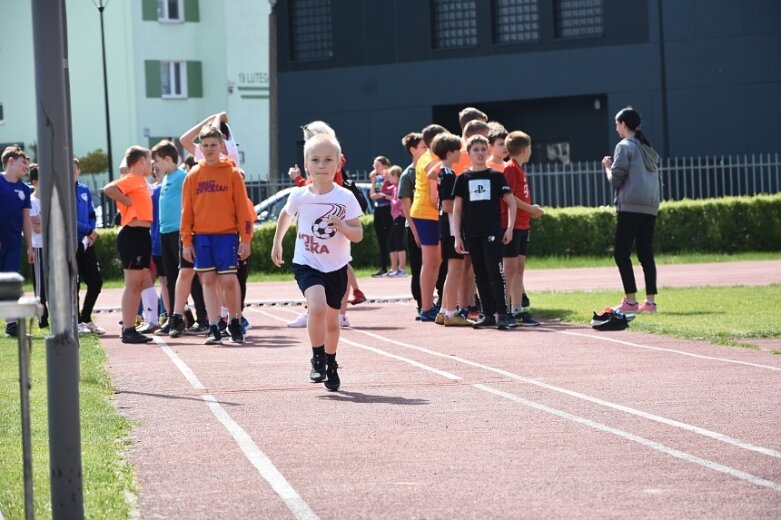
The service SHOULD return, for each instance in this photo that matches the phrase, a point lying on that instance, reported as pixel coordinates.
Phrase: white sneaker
(392, 273)
(400, 273)
(91, 328)
(343, 321)
(300, 322)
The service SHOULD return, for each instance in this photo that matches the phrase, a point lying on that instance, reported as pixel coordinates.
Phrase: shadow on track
(357, 397)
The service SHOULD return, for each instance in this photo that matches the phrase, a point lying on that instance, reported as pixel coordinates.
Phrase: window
(311, 30)
(578, 18)
(516, 21)
(173, 79)
(455, 24)
(170, 10)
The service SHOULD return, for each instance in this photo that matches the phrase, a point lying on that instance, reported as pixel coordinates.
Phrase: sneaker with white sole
(91, 328)
(299, 322)
(647, 308)
(332, 382)
(627, 308)
(343, 321)
(458, 320)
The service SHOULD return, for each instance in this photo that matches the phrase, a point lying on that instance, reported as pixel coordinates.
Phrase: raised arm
(188, 138)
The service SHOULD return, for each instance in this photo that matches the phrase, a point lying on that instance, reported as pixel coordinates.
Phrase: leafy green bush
(725, 225)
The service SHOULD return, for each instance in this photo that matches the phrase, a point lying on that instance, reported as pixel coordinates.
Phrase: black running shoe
(506, 321)
(318, 373)
(485, 322)
(214, 337)
(11, 330)
(196, 329)
(165, 330)
(177, 325)
(223, 325)
(189, 319)
(133, 336)
(332, 382)
(234, 328)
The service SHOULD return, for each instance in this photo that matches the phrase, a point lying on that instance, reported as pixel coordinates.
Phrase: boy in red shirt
(518, 145)
(216, 230)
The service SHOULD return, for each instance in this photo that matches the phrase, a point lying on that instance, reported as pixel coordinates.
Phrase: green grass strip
(722, 315)
(107, 479)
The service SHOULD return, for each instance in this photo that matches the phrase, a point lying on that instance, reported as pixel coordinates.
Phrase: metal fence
(585, 184)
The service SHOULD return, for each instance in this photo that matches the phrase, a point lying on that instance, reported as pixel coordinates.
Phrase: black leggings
(89, 273)
(415, 256)
(635, 228)
(486, 254)
(396, 237)
(382, 227)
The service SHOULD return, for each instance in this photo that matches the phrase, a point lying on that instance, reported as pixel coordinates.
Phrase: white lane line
(414, 363)
(660, 349)
(742, 475)
(254, 454)
(649, 347)
(585, 397)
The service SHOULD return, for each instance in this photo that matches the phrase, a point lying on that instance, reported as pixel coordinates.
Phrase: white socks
(150, 302)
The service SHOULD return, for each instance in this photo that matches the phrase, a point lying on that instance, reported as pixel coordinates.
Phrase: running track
(557, 422)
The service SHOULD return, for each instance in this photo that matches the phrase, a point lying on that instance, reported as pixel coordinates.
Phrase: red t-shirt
(516, 179)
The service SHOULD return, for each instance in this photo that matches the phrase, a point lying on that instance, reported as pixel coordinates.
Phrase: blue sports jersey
(171, 201)
(14, 197)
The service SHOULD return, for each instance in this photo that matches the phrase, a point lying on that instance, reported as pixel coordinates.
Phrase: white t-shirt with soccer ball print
(318, 244)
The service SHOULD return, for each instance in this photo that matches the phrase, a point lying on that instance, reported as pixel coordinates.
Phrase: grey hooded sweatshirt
(635, 177)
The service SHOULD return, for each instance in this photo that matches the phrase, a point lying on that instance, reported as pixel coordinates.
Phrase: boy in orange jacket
(216, 230)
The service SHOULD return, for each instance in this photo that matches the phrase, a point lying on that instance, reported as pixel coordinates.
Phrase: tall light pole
(101, 5)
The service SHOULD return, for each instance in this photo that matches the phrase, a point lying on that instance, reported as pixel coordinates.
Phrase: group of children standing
(204, 223)
(468, 207)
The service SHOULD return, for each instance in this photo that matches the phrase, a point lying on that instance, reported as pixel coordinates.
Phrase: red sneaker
(358, 297)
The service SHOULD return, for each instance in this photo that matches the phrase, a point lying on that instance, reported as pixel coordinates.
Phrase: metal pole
(25, 344)
(59, 234)
(273, 102)
(101, 8)
(663, 81)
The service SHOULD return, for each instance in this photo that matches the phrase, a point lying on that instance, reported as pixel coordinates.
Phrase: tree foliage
(95, 161)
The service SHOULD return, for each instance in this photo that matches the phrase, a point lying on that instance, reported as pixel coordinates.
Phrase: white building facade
(170, 63)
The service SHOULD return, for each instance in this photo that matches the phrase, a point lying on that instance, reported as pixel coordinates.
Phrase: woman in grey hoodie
(634, 174)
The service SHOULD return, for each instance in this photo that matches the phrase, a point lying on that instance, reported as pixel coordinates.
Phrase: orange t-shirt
(252, 214)
(463, 163)
(498, 166)
(214, 202)
(135, 187)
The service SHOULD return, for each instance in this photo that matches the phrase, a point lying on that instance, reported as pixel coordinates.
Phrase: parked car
(269, 209)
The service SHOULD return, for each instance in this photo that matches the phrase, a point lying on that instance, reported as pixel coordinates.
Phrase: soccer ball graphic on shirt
(321, 228)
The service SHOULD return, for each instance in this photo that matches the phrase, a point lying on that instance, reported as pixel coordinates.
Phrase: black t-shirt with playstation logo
(481, 192)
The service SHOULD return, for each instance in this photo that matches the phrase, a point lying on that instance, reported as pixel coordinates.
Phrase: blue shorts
(334, 283)
(428, 231)
(10, 259)
(216, 252)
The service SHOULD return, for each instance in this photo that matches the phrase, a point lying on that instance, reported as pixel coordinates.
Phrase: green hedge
(725, 225)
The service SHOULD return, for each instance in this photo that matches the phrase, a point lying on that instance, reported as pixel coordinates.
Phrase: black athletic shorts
(519, 245)
(157, 261)
(335, 282)
(448, 245)
(135, 247)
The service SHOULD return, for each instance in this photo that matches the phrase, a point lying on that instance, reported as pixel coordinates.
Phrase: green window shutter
(194, 79)
(191, 11)
(154, 87)
(149, 10)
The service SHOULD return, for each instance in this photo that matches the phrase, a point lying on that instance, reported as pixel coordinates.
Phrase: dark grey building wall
(721, 59)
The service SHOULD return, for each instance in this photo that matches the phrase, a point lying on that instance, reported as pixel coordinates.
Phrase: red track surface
(433, 422)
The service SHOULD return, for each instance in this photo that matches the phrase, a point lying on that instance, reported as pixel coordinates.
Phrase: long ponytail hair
(631, 118)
